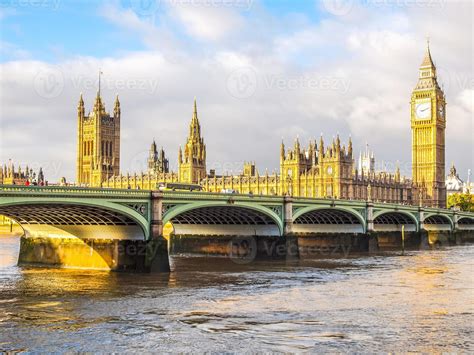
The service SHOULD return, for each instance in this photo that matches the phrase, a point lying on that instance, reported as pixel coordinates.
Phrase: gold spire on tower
(192, 167)
(427, 60)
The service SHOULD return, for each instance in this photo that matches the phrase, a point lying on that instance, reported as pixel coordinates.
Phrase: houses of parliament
(322, 169)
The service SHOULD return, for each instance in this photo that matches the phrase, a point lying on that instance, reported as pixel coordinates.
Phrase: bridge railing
(219, 196)
(74, 190)
(196, 195)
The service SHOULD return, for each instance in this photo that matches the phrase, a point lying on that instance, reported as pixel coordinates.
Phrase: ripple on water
(420, 302)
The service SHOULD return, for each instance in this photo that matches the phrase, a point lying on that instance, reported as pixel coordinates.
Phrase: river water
(423, 301)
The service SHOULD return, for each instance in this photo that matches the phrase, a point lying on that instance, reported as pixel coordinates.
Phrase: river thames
(422, 301)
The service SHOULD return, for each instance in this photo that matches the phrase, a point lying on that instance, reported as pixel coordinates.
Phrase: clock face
(423, 110)
(329, 170)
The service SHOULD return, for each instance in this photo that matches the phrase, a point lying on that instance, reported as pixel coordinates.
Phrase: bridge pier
(157, 257)
(334, 244)
(247, 248)
(89, 253)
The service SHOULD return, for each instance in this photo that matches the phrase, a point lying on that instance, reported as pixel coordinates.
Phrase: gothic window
(329, 190)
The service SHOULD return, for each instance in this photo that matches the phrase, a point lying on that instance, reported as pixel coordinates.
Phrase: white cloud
(206, 22)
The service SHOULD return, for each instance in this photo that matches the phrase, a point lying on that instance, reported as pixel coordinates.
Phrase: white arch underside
(84, 232)
(224, 221)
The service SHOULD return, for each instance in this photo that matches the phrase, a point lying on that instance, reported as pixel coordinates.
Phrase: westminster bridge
(135, 229)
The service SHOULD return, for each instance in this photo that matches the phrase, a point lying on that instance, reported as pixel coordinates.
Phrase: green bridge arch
(412, 216)
(300, 212)
(101, 204)
(445, 216)
(186, 207)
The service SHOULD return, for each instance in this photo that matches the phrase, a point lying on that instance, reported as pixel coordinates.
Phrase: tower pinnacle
(427, 60)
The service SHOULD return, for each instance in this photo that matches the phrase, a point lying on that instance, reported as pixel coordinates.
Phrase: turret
(321, 147)
(117, 107)
(98, 106)
(282, 150)
(80, 107)
(297, 148)
(41, 176)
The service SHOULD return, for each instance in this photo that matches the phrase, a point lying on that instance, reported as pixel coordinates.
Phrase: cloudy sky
(261, 71)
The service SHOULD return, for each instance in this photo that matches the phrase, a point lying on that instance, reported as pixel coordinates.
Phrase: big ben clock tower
(428, 124)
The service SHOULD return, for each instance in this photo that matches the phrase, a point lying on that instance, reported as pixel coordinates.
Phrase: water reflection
(419, 302)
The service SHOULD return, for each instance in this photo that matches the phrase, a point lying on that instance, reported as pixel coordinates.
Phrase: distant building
(157, 162)
(10, 176)
(454, 184)
(366, 164)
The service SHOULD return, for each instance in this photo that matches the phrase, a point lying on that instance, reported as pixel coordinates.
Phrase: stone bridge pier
(157, 258)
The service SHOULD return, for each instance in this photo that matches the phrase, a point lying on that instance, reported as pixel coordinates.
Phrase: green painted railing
(73, 190)
(9, 190)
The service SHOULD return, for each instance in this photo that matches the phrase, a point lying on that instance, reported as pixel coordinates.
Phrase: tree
(465, 202)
